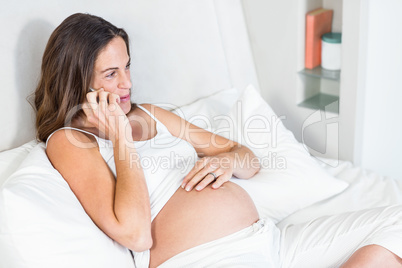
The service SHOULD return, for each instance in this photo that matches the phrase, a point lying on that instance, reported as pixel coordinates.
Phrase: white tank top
(165, 160)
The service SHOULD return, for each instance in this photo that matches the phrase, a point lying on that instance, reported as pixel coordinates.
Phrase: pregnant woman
(87, 61)
(182, 210)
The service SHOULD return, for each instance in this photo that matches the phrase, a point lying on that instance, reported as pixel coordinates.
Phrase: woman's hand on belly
(216, 170)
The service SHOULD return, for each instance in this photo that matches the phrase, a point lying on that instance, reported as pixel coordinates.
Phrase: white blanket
(367, 189)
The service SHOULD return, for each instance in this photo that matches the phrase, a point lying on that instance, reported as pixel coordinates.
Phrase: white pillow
(290, 179)
(42, 223)
(203, 111)
(11, 159)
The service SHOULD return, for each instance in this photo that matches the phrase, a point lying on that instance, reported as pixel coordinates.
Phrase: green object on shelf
(321, 101)
(319, 72)
(333, 38)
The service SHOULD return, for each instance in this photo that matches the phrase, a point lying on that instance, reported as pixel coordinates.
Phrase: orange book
(318, 22)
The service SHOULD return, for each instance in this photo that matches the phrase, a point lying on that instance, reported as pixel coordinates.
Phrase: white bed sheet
(366, 189)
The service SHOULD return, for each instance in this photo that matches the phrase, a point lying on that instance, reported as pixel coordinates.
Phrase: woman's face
(112, 72)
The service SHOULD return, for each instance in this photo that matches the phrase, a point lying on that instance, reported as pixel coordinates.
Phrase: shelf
(323, 102)
(319, 72)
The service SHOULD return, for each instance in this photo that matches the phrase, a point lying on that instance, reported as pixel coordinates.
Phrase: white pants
(320, 243)
(255, 246)
(330, 241)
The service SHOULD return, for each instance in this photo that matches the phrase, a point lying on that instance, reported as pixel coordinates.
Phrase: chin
(126, 107)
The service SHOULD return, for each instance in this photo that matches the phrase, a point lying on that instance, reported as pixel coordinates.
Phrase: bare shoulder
(69, 139)
(76, 157)
(70, 150)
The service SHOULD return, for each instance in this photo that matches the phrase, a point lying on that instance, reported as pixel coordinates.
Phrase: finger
(91, 99)
(103, 99)
(88, 111)
(96, 92)
(206, 181)
(199, 176)
(103, 112)
(197, 167)
(113, 100)
(220, 180)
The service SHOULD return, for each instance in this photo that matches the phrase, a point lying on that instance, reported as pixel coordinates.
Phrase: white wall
(381, 143)
(350, 103)
(275, 52)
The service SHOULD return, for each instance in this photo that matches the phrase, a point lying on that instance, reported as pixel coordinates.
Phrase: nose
(125, 80)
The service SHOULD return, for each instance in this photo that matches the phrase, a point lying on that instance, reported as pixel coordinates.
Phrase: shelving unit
(318, 88)
(322, 100)
(319, 72)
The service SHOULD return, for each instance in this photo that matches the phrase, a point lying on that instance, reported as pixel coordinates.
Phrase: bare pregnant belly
(193, 218)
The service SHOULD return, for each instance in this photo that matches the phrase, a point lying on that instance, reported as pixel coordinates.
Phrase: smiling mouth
(125, 98)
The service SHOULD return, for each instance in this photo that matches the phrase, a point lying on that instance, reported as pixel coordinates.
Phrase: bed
(213, 84)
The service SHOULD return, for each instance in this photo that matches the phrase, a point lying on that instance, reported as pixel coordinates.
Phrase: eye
(112, 74)
(128, 66)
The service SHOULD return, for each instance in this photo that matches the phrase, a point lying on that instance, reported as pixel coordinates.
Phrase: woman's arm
(221, 156)
(119, 207)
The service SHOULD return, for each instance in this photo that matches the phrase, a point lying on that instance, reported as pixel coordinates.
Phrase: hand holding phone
(103, 111)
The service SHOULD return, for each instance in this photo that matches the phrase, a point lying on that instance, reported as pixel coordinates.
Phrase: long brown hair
(67, 68)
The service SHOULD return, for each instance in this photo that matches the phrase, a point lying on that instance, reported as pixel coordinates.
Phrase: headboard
(181, 50)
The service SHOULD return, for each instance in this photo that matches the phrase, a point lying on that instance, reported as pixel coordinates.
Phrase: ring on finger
(213, 174)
